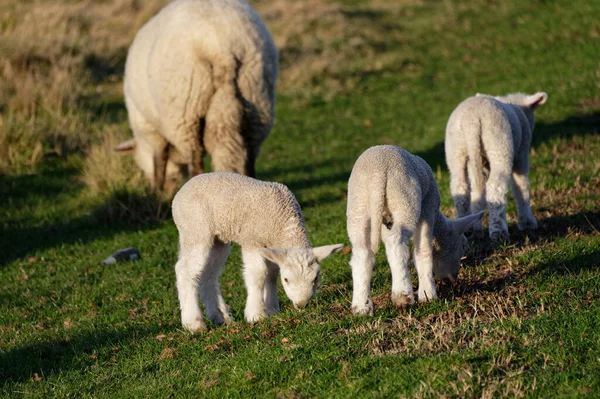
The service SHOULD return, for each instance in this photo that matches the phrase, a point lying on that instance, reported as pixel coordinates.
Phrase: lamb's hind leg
(362, 263)
(424, 260)
(210, 292)
(520, 188)
(396, 247)
(190, 265)
(496, 190)
(459, 183)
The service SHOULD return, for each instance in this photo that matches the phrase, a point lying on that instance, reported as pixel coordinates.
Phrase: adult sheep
(200, 77)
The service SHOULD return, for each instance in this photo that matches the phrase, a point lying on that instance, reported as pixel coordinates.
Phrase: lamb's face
(300, 269)
(450, 245)
(447, 256)
(300, 276)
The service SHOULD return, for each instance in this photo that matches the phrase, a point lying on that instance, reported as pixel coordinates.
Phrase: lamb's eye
(286, 280)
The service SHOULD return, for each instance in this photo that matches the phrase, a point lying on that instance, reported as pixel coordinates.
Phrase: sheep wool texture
(200, 77)
(236, 208)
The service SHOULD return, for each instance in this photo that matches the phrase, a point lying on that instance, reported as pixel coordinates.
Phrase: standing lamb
(215, 209)
(392, 195)
(200, 76)
(497, 130)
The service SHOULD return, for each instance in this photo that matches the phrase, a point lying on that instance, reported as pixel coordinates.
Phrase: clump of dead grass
(52, 55)
(119, 185)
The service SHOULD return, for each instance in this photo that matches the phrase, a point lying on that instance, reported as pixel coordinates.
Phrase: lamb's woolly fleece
(499, 130)
(200, 76)
(213, 210)
(236, 208)
(392, 195)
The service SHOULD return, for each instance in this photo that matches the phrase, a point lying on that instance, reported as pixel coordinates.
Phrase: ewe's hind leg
(396, 247)
(362, 263)
(210, 293)
(520, 189)
(270, 290)
(190, 265)
(459, 183)
(222, 134)
(255, 273)
(496, 189)
(424, 260)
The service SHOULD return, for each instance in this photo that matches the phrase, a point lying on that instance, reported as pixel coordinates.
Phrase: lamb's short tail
(376, 207)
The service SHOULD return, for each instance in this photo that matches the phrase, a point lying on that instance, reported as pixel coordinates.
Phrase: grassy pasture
(524, 320)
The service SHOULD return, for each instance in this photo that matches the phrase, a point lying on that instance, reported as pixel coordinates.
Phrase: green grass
(523, 321)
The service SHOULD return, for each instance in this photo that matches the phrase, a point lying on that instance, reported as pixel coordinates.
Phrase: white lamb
(497, 130)
(215, 209)
(392, 195)
(200, 76)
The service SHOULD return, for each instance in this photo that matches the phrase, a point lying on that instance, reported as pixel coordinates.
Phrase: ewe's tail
(376, 206)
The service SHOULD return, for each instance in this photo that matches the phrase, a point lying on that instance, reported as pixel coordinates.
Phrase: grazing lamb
(200, 76)
(215, 209)
(391, 196)
(497, 130)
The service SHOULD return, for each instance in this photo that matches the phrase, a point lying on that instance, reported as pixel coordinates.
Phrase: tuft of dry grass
(119, 184)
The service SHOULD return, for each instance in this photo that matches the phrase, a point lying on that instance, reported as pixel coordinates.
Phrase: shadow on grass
(584, 223)
(575, 125)
(76, 353)
(120, 211)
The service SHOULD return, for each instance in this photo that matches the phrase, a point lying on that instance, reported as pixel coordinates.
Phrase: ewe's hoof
(363, 310)
(403, 301)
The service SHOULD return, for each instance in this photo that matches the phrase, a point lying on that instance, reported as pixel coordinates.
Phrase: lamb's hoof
(196, 326)
(363, 310)
(528, 224)
(220, 318)
(272, 310)
(477, 233)
(256, 317)
(500, 236)
(403, 301)
(427, 296)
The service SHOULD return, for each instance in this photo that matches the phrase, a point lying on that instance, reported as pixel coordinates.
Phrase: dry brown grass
(53, 55)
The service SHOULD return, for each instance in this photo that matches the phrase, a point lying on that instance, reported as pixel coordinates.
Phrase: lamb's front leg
(255, 273)
(396, 247)
(424, 261)
(190, 265)
(270, 290)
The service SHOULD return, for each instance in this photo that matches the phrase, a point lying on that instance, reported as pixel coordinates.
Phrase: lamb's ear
(276, 256)
(464, 223)
(536, 100)
(126, 146)
(479, 95)
(325, 251)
